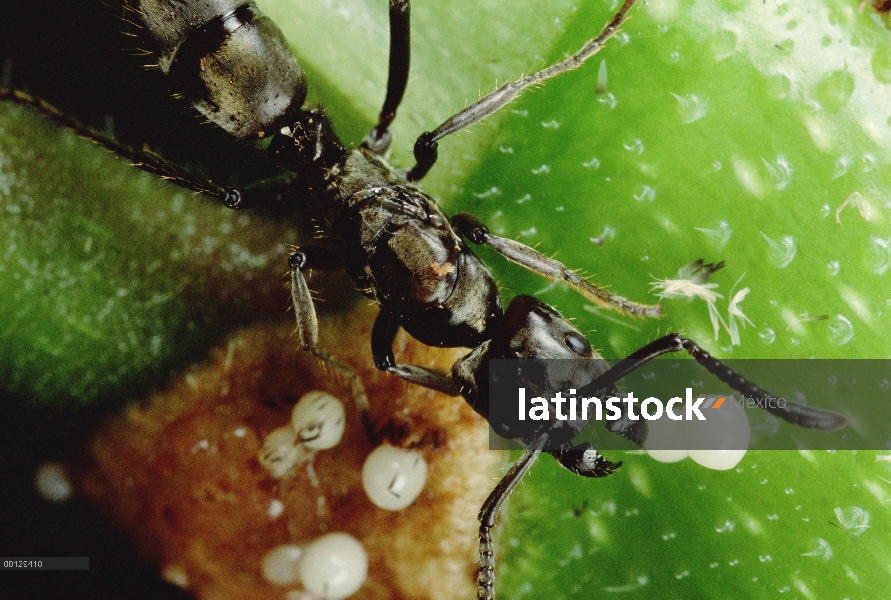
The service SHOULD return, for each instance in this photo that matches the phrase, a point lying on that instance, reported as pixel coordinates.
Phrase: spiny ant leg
(471, 228)
(427, 144)
(508, 483)
(378, 139)
(803, 416)
(308, 323)
(144, 159)
(386, 326)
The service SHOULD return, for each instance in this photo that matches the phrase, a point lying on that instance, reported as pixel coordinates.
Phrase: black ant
(232, 63)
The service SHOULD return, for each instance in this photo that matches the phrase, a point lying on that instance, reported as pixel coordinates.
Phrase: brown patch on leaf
(179, 473)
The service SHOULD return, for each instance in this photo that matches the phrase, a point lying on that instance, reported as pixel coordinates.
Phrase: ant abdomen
(228, 59)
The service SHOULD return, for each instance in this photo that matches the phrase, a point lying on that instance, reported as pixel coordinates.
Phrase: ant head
(531, 329)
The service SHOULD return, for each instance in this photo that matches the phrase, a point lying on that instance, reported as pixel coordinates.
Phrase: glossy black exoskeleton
(232, 63)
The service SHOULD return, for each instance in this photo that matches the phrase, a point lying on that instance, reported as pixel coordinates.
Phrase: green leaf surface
(782, 524)
(723, 128)
(733, 130)
(110, 278)
(724, 137)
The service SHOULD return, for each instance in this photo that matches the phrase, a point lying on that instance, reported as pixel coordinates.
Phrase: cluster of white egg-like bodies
(719, 442)
(335, 565)
(317, 423)
(331, 567)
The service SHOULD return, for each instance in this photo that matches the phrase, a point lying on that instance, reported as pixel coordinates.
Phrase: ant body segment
(233, 64)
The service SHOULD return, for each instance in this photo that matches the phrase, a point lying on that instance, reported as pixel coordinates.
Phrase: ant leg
(308, 323)
(471, 228)
(144, 159)
(803, 416)
(508, 483)
(379, 138)
(426, 145)
(386, 326)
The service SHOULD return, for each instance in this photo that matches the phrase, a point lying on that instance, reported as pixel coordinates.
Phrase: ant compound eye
(393, 477)
(578, 344)
(333, 567)
(318, 419)
(280, 565)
